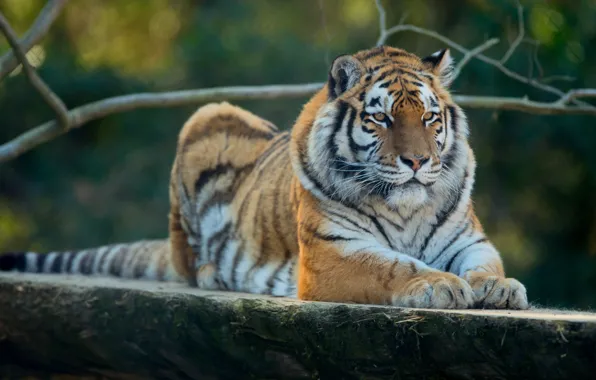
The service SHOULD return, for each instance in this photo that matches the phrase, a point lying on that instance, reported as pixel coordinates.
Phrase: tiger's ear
(440, 64)
(345, 72)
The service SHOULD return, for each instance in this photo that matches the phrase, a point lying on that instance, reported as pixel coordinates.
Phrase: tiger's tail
(145, 259)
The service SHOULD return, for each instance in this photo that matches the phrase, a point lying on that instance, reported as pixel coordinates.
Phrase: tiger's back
(231, 218)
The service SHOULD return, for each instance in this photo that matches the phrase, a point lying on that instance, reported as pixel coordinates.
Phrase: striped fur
(146, 259)
(366, 200)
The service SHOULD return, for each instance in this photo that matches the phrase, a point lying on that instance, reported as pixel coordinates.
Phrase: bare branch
(86, 113)
(48, 95)
(523, 105)
(562, 78)
(472, 53)
(577, 93)
(521, 31)
(481, 57)
(92, 111)
(382, 23)
(41, 25)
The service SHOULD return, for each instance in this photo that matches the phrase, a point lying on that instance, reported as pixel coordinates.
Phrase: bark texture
(127, 330)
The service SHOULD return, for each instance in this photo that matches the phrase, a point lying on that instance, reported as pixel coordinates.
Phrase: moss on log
(123, 329)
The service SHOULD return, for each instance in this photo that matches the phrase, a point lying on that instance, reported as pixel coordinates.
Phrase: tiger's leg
(183, 258)
(343, 271)
(347, 266)
(480, 264)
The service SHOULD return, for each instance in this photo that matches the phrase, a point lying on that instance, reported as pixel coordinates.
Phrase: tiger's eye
(428, 116)
(379, 116)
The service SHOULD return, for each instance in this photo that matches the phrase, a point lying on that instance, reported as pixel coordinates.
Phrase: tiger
(366, 199)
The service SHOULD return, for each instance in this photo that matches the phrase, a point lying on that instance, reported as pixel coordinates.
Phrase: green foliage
(108, 181)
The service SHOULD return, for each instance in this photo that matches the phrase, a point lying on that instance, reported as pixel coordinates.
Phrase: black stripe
(215, 241)
(343, 218)
(399, 53)
(69, 262)
(13, 260)
(263, 252)
(331, 145)
(207, 174)
(273, 277)
(446, 126)
(331, 87)
(454, 151)
(139, 265)
(86, 263)
(256, 181)
(454, 118)
(118, 261)
(273, 147)
(354, 146)
(228, 124)
(218, 257)
(377, 225)
(375, 52)
(392, 223)
(235, 263)
(365, 129)
(291, 284)
(450, 243)
(450, 263)
(57, 263)
(281, 237)
(444, 215)
(309, 173)
(330, 237)
(321, 236)
(217, 238)
(375, 101)
(41, 259)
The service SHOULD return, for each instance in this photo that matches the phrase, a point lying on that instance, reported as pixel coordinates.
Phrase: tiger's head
(384, 126)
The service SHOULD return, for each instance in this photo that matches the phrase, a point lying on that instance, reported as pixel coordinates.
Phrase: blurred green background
(108, 181)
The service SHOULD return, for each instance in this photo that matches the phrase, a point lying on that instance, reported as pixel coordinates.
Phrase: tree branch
(92, 111)
(382, 23)
(386, 33)
(41, 25)
(471, 54)
(577, 93)
(48, 95)
(521, 31)
(86, 113)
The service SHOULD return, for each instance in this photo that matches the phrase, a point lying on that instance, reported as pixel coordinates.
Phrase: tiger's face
(389, 127)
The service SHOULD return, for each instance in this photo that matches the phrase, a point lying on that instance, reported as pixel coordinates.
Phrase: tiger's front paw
(206, 277)
(495, 292)
(435, 290)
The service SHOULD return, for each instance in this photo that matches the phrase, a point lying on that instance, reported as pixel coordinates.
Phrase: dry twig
(521, 31)
(40, 27)
(48, 95)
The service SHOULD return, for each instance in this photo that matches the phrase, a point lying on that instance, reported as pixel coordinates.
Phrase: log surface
(132, 329)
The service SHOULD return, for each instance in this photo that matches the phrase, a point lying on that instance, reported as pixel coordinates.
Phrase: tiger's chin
(411, 194)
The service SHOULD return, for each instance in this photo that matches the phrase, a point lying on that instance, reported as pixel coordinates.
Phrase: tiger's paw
(495, 292)
(435, 290)
(206, 277)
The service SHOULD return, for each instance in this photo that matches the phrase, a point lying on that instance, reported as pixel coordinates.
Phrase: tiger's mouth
(416, 182)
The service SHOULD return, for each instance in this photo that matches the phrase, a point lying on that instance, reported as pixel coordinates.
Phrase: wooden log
(132, 329)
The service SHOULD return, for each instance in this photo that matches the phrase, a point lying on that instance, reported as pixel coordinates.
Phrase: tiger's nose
(415, 161)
